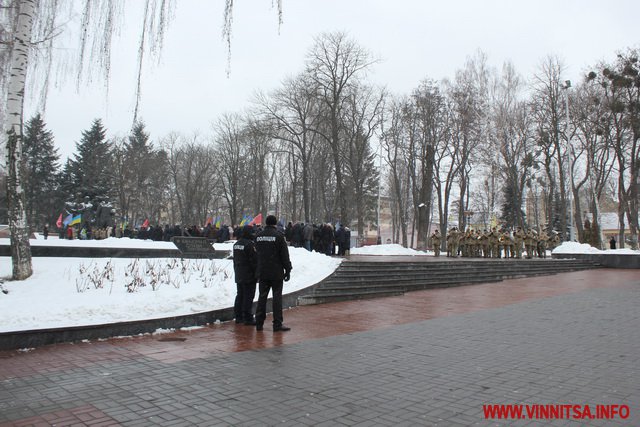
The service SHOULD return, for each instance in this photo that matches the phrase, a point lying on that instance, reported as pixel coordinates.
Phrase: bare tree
(593, 123)
(621, 88)
(431, 153)
(359, 123)
(19, 60)
(258, 140)
(231, 152)
(193, 180)
(513, 133)
(31, 23)
(336, 63)
(468, 95)
(550, 121)
(20, 21)
(396, 154)
(292, 113)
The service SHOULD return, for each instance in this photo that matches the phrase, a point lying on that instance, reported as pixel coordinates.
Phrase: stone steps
(362, 279)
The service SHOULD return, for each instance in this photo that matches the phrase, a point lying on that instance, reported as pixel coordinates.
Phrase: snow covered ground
(66, 292)
(393, 249)
(583, 248)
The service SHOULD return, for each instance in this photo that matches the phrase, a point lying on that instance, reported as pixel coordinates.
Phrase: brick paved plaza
(426, 358)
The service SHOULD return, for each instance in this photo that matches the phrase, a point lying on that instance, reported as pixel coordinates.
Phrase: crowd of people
(156, 233)
(494, 243)
(321, 238)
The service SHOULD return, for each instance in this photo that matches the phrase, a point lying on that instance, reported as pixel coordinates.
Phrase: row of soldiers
(496, 243)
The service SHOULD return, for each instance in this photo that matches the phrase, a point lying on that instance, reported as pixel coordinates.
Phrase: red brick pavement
(310, 322)
(86, 415)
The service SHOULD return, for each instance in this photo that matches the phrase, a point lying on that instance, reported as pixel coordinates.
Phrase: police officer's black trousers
(261, 311)
(244, 300)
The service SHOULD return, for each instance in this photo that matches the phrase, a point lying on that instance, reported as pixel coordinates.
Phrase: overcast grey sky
(414, 39)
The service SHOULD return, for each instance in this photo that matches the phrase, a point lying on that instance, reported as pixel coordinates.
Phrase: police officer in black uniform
(245, 262)
(274, 266)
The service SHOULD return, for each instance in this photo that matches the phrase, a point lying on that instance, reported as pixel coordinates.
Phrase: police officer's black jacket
(273, 254)
(245, 260)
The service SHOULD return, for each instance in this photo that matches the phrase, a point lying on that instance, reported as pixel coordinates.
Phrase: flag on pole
(76, 220)
(67, 220)
(145, 224)
(218, 221)
(59, 221)
(257, 220)
(209, 221)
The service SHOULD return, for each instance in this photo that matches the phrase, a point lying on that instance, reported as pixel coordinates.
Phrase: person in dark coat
(307, 236)
(317, 243)
(327, 239)
(612, 242)
(224, 234)
(297, 235)
(288, 232)
(340, 240)
(244, 265)
(45, 231)
(346, 241)
(274, 267)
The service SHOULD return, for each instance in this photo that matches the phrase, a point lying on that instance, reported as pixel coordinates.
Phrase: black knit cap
(271, 220)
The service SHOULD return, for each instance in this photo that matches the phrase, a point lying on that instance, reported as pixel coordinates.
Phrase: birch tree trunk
(20, 248)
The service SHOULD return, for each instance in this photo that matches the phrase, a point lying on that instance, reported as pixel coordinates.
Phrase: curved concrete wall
(109, 252)
(606, 260)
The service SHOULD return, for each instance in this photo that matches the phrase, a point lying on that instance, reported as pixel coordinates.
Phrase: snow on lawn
(583, 248)
(393, 249)
(111, 242)
(58, 295)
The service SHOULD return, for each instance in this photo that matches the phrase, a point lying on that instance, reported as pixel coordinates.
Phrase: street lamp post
(566, 86)
(468, 214)
(379, 237)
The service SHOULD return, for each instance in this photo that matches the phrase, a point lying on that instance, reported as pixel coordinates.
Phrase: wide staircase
(371, 279)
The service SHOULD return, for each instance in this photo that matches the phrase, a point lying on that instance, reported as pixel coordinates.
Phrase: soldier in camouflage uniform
(465, 244)
(494, 243)
(518, 238)
(554, 240)
(452, 242)
(473, 242)
(436, 241)
(484, 243)
(529, 243)
(505, 239)
(461, 243)
(542, 244)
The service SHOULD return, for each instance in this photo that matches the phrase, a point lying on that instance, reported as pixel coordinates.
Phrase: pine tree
(40, 172)
(511, 208)
(361, 176)
(90, 169)
(143, 179)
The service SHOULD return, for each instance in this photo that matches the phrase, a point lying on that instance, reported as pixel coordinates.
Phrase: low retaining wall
(41, 337)
(606, 260)
(106, 252)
